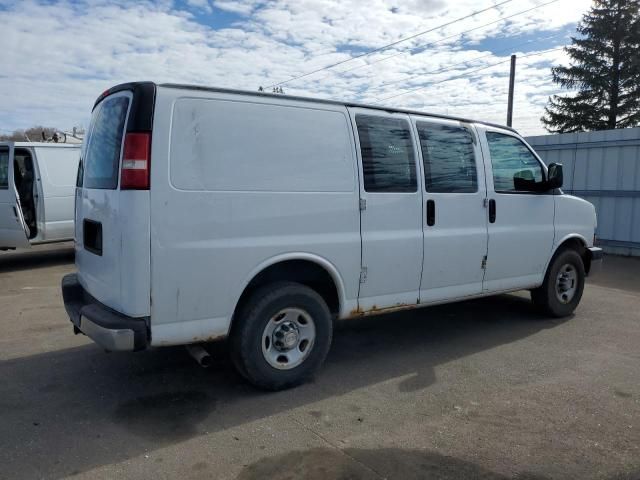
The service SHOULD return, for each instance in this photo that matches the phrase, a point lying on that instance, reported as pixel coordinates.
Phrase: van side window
(449, 160)
(510, 160)
(4, 168)
(387, 154)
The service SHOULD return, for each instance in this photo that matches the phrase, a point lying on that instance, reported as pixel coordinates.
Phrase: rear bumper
(109, 329)
(595, 260)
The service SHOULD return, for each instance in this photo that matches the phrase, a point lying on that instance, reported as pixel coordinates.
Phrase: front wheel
(563, 285)
(281, 336)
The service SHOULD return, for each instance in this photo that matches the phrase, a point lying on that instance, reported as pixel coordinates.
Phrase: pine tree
(605, 69)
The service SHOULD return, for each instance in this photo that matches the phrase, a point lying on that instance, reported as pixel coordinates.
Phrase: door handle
(431, 213)
(492, 211)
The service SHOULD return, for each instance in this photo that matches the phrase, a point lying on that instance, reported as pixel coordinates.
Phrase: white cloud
(241, 7)
(200, 4)
(57, 58)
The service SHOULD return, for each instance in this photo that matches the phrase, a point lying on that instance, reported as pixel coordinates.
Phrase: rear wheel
(563, 285)
(281, 336)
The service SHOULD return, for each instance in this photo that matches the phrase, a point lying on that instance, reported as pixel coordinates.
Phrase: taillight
(136, 161)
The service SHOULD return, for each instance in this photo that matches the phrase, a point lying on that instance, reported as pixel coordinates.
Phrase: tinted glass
(387, 154)
(102, 155)
(510, 158)
(449, 161)
(83, 149)
(4, 168)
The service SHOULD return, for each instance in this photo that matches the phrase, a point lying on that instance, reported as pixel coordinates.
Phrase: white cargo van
(204, 213)
(37, 185)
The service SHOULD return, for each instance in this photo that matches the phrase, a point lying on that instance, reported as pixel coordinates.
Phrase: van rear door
(58, 168)
(13, 230)
(112, 212)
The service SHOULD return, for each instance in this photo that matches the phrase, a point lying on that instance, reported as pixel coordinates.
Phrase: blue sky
(59, 55)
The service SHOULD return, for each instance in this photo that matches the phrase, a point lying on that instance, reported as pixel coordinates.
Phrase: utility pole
(512, 78)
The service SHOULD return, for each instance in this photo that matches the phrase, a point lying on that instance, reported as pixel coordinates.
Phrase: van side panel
(237, 183)
(58, 167)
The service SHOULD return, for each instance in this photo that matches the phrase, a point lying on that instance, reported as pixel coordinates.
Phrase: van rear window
(102, 155)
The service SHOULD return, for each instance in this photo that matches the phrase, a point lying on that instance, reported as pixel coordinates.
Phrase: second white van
(37, 193)
(205, 213)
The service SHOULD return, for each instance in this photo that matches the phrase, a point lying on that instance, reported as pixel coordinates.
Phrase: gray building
(604, 168)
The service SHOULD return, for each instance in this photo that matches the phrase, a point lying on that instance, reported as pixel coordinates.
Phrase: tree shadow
(72, 410)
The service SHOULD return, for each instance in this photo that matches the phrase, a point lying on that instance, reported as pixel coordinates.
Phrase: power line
(384, 47)
(466, 74)
(431, 44)
(450, 67)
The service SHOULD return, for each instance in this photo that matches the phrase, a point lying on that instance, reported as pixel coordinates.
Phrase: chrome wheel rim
(288, 338)
(566, 283)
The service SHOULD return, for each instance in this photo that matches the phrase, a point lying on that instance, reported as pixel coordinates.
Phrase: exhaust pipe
(200, 355)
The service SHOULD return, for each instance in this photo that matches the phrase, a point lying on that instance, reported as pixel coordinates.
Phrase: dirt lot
(481, 389)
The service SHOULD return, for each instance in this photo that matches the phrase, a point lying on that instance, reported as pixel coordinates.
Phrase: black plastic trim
(596, 253)
(79, 303)
(142, 104)
(431, 212)
(92, 236)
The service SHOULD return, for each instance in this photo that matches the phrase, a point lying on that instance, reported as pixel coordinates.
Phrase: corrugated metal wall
(603, 168)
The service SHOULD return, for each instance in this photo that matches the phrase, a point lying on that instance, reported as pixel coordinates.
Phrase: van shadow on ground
(72, 410)
(361, 464)
(12, 261)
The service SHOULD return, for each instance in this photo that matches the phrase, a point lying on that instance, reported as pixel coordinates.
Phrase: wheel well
(301, 271)
(579, 246)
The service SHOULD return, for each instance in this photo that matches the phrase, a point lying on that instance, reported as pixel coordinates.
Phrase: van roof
(330, 102)
(133, 85)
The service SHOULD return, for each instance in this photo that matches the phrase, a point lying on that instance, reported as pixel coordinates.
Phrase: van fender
(559, 244)
(320, 261)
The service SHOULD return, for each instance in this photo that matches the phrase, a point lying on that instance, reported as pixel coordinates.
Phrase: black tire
(546, 296)
(246, 340)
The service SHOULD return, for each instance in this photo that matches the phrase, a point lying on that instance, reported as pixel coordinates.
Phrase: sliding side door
(390, 210)
(455, 220)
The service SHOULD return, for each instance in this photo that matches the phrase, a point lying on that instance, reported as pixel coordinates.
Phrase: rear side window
(4, 168)
(449, 160)
(102, 155)
(387, 154)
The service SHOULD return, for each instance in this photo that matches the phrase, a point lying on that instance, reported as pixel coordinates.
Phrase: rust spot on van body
(211, 338)
(359, 312)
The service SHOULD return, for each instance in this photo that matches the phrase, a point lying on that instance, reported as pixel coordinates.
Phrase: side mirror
(554, 176)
